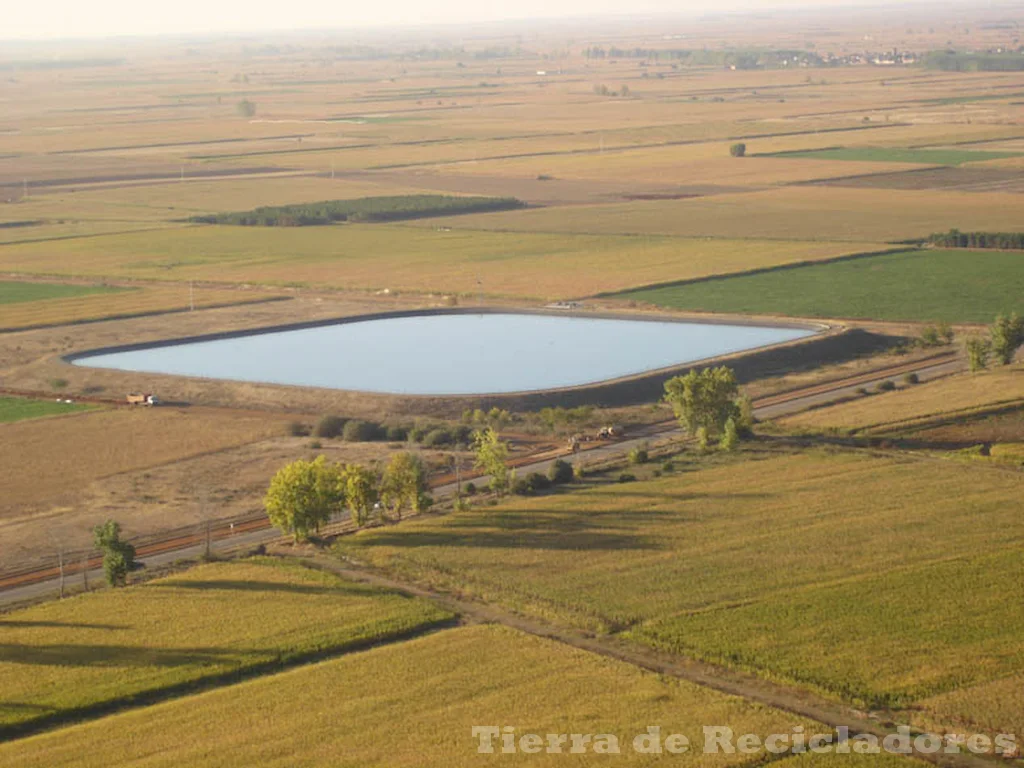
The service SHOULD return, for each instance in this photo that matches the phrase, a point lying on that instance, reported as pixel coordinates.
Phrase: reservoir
(448, 353)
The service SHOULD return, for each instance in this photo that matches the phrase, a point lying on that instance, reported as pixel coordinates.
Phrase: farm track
(223, 530)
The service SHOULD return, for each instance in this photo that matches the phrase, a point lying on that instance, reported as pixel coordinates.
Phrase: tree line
(1004, 241)
(364, 209)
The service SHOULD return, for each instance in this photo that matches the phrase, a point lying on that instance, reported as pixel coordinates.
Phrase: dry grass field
(104, 648)
(412, 705)
(52, 460)
(125, 302)
(412, 258)
(948, 397)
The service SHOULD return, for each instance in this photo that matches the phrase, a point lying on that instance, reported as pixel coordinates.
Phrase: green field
(898, 155)
(19, 409)
(927, 285)
(104, 649)
(16, 293)
(413, 705)
(734, 562)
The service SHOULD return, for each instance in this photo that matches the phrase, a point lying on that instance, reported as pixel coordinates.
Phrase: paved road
(602, 452)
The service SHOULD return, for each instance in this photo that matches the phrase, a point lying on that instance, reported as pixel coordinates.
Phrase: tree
(730, 436)
(362, 490)
(118, 556)
(246, 108)
(303, 495)
(404, 484)
(738, 150)
(491, 455)
(704, 400)
(978, 351)
(945, 332)
(1007, 335)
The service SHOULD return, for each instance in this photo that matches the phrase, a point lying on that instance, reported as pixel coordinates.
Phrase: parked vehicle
(138, 398)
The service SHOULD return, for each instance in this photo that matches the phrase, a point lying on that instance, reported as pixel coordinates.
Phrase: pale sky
(49, 19)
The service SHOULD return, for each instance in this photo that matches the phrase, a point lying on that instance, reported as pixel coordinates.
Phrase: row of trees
(1003, 241)
(1005, 337)
(364, 209)
(304, 495)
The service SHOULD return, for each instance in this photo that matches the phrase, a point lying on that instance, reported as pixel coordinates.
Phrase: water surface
(450, 354)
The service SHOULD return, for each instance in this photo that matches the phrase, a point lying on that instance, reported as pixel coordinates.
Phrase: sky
(52, 19)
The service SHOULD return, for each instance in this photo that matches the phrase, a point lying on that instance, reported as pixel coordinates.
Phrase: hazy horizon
(118, 18)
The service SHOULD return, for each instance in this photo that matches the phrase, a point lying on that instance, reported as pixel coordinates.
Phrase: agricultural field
(433, 686)
(19, 409)
(54, 306)
(410, 258)
(729, 562)
(922, 156)
(98, 651)
(957, 286)
(17, 293)
(931, 401)
(111, 441)
(794, 212)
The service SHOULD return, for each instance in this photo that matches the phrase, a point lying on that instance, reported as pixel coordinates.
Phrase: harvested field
(722, 562)
(934, 400)
(433, 686)
(52, 460)
(973, 179)
(991, 708)
(412, 258)
(957, 286)
(795, 212)
(108, 302)
(106, 648)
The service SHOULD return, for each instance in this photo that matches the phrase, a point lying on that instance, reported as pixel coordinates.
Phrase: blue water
(455, 354)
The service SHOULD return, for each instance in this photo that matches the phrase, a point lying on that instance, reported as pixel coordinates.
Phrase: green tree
(978, 351)
(490, 457)
(706, 399)
(730, 436)
(1007, 335)
(246, 108)
(945, 332)
(303, 495)
(738, 150)
(404, 484)
(118, 556)
(362, 490)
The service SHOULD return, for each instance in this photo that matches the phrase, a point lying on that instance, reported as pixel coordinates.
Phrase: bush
(330, 426)
(579, 472)
(397, 434)
(469, 488)
(417, 433)
(887, 386)
(667, 467)
(626, 477)
(911, 378)
(358, 431)
(862, 391)
(58, 383)
(520, 487)
(638, 455)
(298, 429)
(437, 437)
(316, 445)
(538, 481)
(560, 472)
(738, 150)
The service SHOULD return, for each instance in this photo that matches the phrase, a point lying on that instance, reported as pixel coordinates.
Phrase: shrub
(397, 434)
(538, 481)
(358, 431)
(887, 386)
(437, 437)
(520, 487)
(626, 477)
(330, 426)
(667, 467)
(298, 429)
(417, 433)
(639, 455)
(862, 391)
(316, 445)
(58, 383)
(560, 472)
(911, 378)
(579, 472)
(469, 488)
(738, 150)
